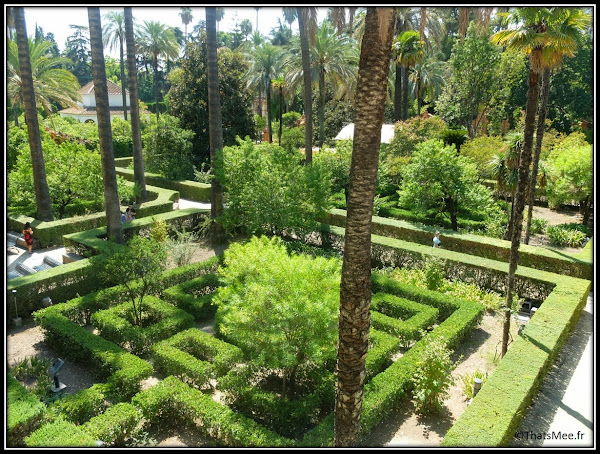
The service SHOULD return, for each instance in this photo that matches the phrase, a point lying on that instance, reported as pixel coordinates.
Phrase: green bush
(23, 411)
(467, 381)
(571, 235)
(433, 377)
(293, 138)
(269, 191)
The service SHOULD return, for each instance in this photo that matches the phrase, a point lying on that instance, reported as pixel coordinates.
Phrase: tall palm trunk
(520, 196)
(269, 112)
(398, 94)
(215, 124)
(539, 136)
(307, 91)
(114, 229)
(322, 92)
(139, 177)
(40, 184)
(355, 287)
(123, 85)
(405, 92)
(280, 113)
(155, 68)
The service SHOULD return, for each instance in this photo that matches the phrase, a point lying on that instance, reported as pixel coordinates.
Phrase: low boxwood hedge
(24, 411)
(194, 296)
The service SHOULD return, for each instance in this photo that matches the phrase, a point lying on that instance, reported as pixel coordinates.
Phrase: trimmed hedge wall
(188, 189)
(49, 234)
(492, 248)
(184, 296)
(65, 282)
(23, 411)
(175, 402)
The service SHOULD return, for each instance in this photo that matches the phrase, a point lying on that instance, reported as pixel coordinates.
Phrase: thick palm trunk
(307, 89)
(40, 184)
(355, 287)
(123, 85)
(398, 94)
(114, 229)
(520, 196)
(214, 121)
(539, 136)
(139, 177)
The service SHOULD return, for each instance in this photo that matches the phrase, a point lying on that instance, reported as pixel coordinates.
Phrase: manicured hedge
(123, 371)
(23, 411)
(401, 317)
(188, 189)
(69, 280)
(194, 296)
(116, 425)
(497, 410)
(60, 434)
(115, 324)
(492, 248)
(50, 233)
(195, 356)
(172, 402)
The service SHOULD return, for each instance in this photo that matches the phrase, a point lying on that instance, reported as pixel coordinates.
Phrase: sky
(56, 19)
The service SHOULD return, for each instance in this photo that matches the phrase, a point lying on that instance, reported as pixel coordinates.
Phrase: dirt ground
(402, 427)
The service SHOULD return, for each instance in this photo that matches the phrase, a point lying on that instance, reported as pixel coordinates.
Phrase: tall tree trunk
(215, 123)
(269, 112)
(539, 136)
(155, 68)
(139, 176)
(355, 287)
(452, 210)
(322, 93)
(123, 85)
(307, 89)
(398, 94)
(520, 196)
(40, 184)
(280, 114)
(114, 229)
(405, 92)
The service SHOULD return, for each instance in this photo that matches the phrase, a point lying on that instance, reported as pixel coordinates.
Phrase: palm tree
(531, 35)
(404, 21)
(570, 26)
(220, 14)
(256, 8)
(139, 176)
(410, 51)
(51, 82)
(186, 18)
(113, 33)
(333, 60)
(42, 193)
(307, 19)
(214, 120)
(157, 40)
(263, 63)
(279, 83)
(114, 229)
(428, 78)
(290, 15)
(355, 287)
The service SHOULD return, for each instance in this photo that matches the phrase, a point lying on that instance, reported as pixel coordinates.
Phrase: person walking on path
(28, 236)
(436, 240)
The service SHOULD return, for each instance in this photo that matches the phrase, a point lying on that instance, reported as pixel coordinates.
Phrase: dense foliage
(188, 98)
(268, 191)
(280, 309)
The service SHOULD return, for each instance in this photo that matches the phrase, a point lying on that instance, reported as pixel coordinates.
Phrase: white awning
(347, 133)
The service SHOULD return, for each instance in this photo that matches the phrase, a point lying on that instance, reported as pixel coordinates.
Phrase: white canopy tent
(347, 133)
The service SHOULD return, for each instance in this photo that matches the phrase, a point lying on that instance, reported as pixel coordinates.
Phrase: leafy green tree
(77, 49)
(136, 266)
(268, 191)
(481, 150)
(188, 98)
(437, 180)
(474, 78)
(280, 309)
(571, 178)
(167, 148)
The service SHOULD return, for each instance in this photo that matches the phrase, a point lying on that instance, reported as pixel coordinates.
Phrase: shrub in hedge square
(195, 356)
(159, 321)
(194, 296)
(23, 411)
(60, 433)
